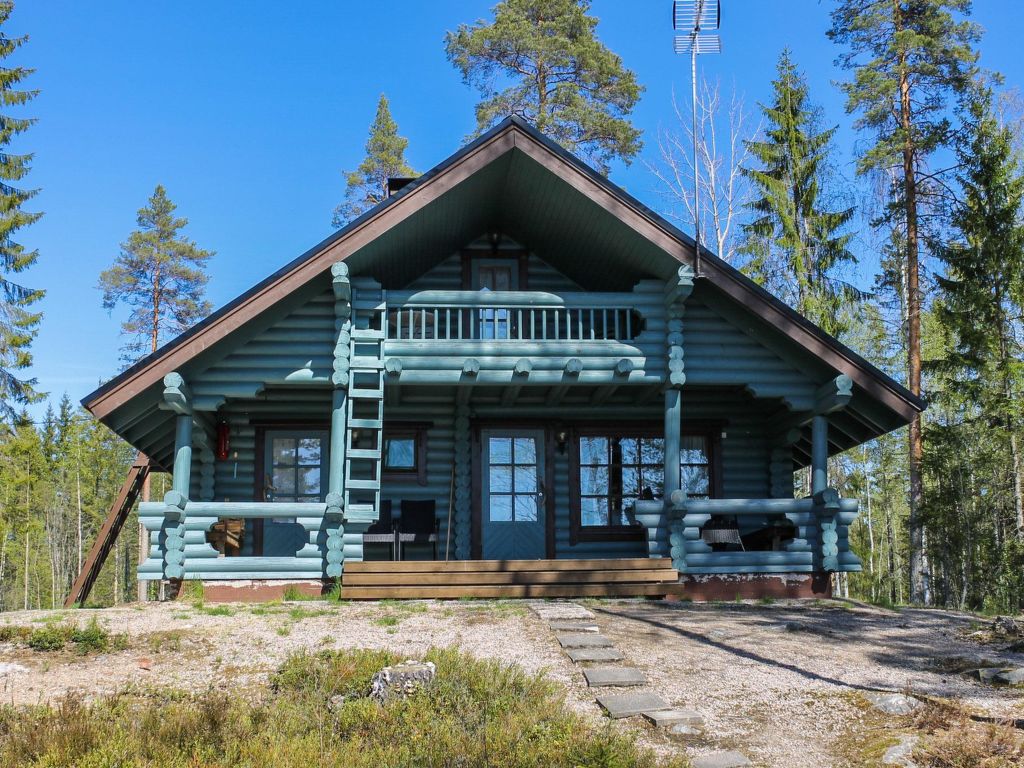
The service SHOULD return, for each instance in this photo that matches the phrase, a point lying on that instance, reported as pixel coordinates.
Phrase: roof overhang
(514, 142)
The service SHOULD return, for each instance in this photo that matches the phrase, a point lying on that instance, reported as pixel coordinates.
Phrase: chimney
(395, 183)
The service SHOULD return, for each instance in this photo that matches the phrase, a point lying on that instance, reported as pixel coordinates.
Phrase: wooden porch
(624, 577)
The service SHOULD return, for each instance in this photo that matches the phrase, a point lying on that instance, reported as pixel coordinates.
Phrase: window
(296, 468)
(400, 453)
(616, 469)
(404, 452)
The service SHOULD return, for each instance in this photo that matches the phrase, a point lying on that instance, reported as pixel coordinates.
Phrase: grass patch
(192, 589)
(92, 638)
(387, 621)
(477, 713)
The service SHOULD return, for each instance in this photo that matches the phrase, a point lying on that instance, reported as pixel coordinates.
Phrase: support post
(673, 427)
(334, 515)
(819, 454)
(182, 477)
(677, 291)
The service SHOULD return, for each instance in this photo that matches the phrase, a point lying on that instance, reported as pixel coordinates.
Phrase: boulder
(401, 680)
(893, 703)
(1007, 626)
(901, 753)
(998, 675)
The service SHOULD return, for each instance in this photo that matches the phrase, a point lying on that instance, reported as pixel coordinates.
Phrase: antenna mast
(693, 18)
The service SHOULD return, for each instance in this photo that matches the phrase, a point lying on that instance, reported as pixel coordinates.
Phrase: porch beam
(819, 454)
(677, 291)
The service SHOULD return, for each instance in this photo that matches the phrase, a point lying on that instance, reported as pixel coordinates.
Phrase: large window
(296, 467)
(616, 469)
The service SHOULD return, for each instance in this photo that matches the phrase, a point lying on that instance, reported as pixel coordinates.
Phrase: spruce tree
(794, 232)
(160, 276)
(557, 74)
(982, 291)
(367, 185)
(910, 60)
(18, 324)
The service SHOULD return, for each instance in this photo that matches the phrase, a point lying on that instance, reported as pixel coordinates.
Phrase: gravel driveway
(778, 682)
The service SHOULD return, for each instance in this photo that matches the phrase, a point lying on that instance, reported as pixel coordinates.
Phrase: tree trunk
(917, 565)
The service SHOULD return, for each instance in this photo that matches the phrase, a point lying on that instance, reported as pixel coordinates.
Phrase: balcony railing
(510, 316)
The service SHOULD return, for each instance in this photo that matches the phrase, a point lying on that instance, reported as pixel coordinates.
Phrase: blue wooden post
(333, 517)
(182, 454)
(673, 422)
(819, 454)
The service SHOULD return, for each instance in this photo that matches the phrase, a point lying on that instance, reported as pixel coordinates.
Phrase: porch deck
(622, 577)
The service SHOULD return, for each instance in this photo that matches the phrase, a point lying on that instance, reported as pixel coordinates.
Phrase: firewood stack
(226, 536)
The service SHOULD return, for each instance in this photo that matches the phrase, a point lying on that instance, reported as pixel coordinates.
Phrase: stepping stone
(682, 730)
(603, 677)
(572, 626)
(665, 717)
(583, 640)
(621, 705)
(721, 760)
(594, 654)
(557, 611)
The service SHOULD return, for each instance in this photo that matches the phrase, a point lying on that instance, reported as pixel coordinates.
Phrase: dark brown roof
(516, 134)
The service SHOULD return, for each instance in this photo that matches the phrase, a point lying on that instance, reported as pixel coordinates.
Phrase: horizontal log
(507, 591)
(397, 579)
(749, 558)
(484, 566)
(260, 565)
(255, 509)
(484, 299)
(426, 353)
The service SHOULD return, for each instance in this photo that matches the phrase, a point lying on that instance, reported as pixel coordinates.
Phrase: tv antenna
(693, 19)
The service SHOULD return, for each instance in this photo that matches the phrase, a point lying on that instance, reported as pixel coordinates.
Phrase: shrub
(52, 637)
(475, 713)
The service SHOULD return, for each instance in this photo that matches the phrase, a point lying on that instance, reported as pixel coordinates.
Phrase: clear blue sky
(248, 112)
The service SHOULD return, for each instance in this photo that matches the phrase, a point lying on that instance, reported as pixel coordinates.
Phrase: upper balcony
(519, 337)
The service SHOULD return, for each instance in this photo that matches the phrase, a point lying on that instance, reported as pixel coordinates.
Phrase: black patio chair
(418, 524)
(383, 531)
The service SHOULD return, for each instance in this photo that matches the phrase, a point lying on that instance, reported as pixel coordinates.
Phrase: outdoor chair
(719, 532)
(417, 525)
(383, 531)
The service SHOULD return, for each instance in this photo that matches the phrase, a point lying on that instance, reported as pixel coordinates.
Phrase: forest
(938, 194)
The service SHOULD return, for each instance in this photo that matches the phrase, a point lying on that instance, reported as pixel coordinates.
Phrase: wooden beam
(177, 395)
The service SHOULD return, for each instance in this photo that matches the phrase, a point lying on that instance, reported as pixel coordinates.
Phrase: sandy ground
(778, 682)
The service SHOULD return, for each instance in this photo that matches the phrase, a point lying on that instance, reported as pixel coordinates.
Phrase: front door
(512, 517)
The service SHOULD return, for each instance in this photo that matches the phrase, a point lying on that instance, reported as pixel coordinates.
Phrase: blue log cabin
(508, 378)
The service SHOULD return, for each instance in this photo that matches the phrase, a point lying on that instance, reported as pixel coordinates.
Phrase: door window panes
(512, 477)
(296, 471)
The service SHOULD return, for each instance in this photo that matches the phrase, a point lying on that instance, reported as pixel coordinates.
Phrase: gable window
(615, 468)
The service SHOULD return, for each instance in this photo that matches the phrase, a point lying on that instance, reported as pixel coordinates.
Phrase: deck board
(626, 577)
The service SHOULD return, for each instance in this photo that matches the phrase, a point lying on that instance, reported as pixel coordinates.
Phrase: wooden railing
(510, 316)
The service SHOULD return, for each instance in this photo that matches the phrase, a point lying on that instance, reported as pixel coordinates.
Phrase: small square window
(400, 454)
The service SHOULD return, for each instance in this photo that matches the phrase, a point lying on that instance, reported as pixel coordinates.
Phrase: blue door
(513, 525)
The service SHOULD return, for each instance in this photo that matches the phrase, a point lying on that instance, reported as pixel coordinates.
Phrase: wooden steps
(628, 577)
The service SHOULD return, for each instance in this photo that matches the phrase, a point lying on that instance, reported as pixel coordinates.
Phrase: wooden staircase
(632, 577)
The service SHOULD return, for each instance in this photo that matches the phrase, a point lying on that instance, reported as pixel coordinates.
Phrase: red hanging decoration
(223, 441)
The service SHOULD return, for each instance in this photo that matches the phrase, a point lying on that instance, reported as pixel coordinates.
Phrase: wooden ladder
(109, 531)
(365, 405)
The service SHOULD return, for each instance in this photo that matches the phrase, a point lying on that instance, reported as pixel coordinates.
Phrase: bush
(93, 638)
(476, 713)
(52, 637)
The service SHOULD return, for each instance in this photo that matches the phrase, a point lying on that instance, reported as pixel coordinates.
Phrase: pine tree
(563, 79)
(982, 291)
(18, 324)
(160, 275)
(793, 227)
(909, 59)
(367, 185)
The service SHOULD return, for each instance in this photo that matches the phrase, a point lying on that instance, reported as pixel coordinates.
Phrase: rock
(145, 664)
(1007, 627)
(401, 680)
(984, 674)
(1010, 676)
(10, 668)
(794, 626)
(665, 717)
(901, 753)
(721, 760)
(336, 702)
(561, 625)
(561, 611)
(684, 731)
(893, 703)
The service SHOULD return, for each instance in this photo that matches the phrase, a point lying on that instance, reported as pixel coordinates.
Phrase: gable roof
(510, 139)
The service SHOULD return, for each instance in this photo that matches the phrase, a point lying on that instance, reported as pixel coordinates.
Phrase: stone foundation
(257, 590)
(701, 587)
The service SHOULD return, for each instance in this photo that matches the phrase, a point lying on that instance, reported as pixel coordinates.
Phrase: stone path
(577, 632)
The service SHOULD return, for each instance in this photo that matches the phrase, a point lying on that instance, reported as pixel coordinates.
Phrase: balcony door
(512, 514)
(495, 275)
(296, 470)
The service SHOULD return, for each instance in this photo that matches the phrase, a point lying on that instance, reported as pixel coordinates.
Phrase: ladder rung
(365, 394)
(357, 484)
(366, 334)
(363, 453)
(365, 424)
(372, 363)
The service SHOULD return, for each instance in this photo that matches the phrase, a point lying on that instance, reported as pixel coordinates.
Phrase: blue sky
(248, 112)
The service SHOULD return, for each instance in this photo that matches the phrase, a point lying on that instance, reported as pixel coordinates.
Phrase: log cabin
(509, 378)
